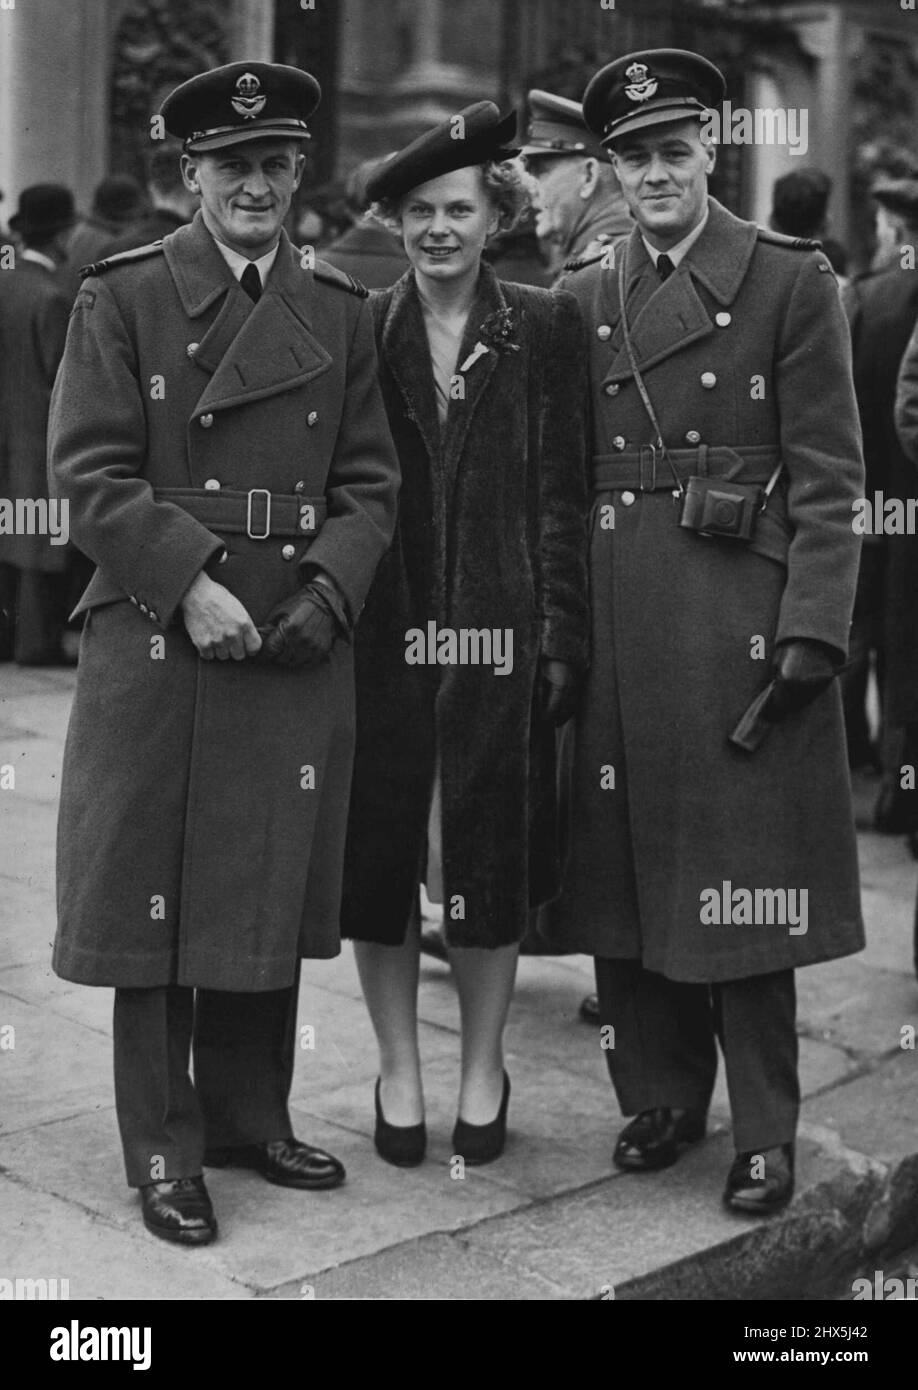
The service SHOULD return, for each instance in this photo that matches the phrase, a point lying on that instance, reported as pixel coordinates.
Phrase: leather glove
(301, 630)
(803, 668)
(559, 690)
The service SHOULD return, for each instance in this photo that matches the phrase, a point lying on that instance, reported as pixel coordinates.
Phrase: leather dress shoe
(654, 1139)
(761, 1195)
(286, 1162)
(589, 1009)
(479, 1144)
(179, 1210)
(403, 1145)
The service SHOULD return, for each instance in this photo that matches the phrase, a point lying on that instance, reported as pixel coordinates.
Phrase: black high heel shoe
(402, 1145)
(479, 1144)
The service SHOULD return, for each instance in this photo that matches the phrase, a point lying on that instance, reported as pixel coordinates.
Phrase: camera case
(716, 507)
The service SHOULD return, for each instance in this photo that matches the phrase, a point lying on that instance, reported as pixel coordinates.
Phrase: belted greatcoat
(745, 355)
(204, 804)
(491, 535)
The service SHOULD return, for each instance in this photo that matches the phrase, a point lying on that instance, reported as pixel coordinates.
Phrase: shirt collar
(237, 263)
(681, 249)
(30, 254)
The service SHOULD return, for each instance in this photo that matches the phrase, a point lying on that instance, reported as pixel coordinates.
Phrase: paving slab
(42, 1237)
(53, 1069)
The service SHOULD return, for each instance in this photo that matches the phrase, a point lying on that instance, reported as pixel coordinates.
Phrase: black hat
(44, 209)
(556, 126)
(118, 198)
(650, 88)
(242, 101)
(899, 196)
(473, 136)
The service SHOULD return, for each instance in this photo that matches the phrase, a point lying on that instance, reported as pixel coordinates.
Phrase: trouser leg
(162, 1130)
(756, 1024)
(664, 1053)
(244, 1049)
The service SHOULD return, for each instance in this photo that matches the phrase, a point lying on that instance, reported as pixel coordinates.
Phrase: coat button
(312, 418)
(708, 380)
(154, 615)
(723, 320)
(627, 498)
(612, 389)
(693, 437)
(288, 552)
(192, 348)
(603, 332)
(143, 608)
(212, 484)
(299, 487)
(206, 421)
(618, 442)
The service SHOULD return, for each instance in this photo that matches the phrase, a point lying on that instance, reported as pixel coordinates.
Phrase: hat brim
(16, 224)
(551, 151)
(669, 113)
(236, 135)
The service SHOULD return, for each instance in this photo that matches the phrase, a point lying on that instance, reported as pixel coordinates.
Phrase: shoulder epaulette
(793, 243)
(331, 275)
(578, 262)
(137, 253)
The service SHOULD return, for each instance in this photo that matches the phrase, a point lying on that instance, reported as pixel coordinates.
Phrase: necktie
(251, 282)
(665, 267)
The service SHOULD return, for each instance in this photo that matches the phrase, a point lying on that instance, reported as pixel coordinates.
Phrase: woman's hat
(471, 137)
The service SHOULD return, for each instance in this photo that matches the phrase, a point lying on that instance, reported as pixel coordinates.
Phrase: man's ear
(589, 177)
(189, 168)
(299, 165)
(712, 157)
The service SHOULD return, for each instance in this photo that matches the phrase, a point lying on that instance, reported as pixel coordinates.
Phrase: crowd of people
(632, 466)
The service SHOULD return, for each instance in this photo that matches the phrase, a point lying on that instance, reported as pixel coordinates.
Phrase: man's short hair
(799, 201)
(164, 168)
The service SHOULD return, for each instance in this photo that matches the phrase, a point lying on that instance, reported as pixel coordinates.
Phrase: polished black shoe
(655, 1138)
(286, 1162)
(759, 1193)
(589, 1009)
(479, 1144)
(403, 1145)
(179, 1210)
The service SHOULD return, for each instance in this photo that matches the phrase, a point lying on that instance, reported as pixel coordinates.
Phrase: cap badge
(247, 101)
(642, 87)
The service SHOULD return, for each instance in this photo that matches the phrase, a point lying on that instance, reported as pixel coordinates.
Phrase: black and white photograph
(459, 663)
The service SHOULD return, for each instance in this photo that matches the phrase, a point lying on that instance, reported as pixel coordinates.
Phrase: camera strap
(639, 380)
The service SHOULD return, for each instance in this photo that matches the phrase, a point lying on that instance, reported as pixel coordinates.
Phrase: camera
(714, 507)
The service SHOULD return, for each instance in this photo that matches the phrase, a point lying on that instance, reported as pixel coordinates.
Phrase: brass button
(627, 498)
(222, 558)
(693, 437)
(144, 608)
(723, 320)
(312, 418)
(603, 332)
(288, 552)
(212, 485)
(708, 380)
(192, 348)
(154, 615)
(206, 421)
(618, 442)
(299, 487)
(133, 600)
(612, 389)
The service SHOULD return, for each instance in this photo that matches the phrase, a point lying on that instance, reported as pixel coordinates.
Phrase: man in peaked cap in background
(218, 430)
(580, 205)
(710, 853)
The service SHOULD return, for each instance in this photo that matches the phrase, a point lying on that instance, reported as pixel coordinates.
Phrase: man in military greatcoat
(218, 430)
(712, 845)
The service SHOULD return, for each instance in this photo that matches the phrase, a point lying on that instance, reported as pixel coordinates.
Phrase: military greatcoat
(745, 355)
(204, 804)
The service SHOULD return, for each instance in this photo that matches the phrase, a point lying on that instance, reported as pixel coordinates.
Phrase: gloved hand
(803, 668)
(301, 630)
(559, 690)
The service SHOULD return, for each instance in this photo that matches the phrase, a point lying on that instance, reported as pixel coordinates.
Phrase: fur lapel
(403, 345)
(488, 299)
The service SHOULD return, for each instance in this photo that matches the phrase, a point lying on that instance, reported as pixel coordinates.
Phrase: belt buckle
(652, 450)
(253, 535)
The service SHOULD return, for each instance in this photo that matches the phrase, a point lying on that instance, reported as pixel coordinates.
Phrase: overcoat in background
(903, 673)
(204, 804)
(745, 354)
(882, 309)
(491, 534)
(33, 326)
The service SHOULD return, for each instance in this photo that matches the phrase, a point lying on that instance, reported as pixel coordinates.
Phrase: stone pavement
(550, 1220)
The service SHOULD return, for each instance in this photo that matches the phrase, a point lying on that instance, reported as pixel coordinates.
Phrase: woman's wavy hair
(507, 186)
